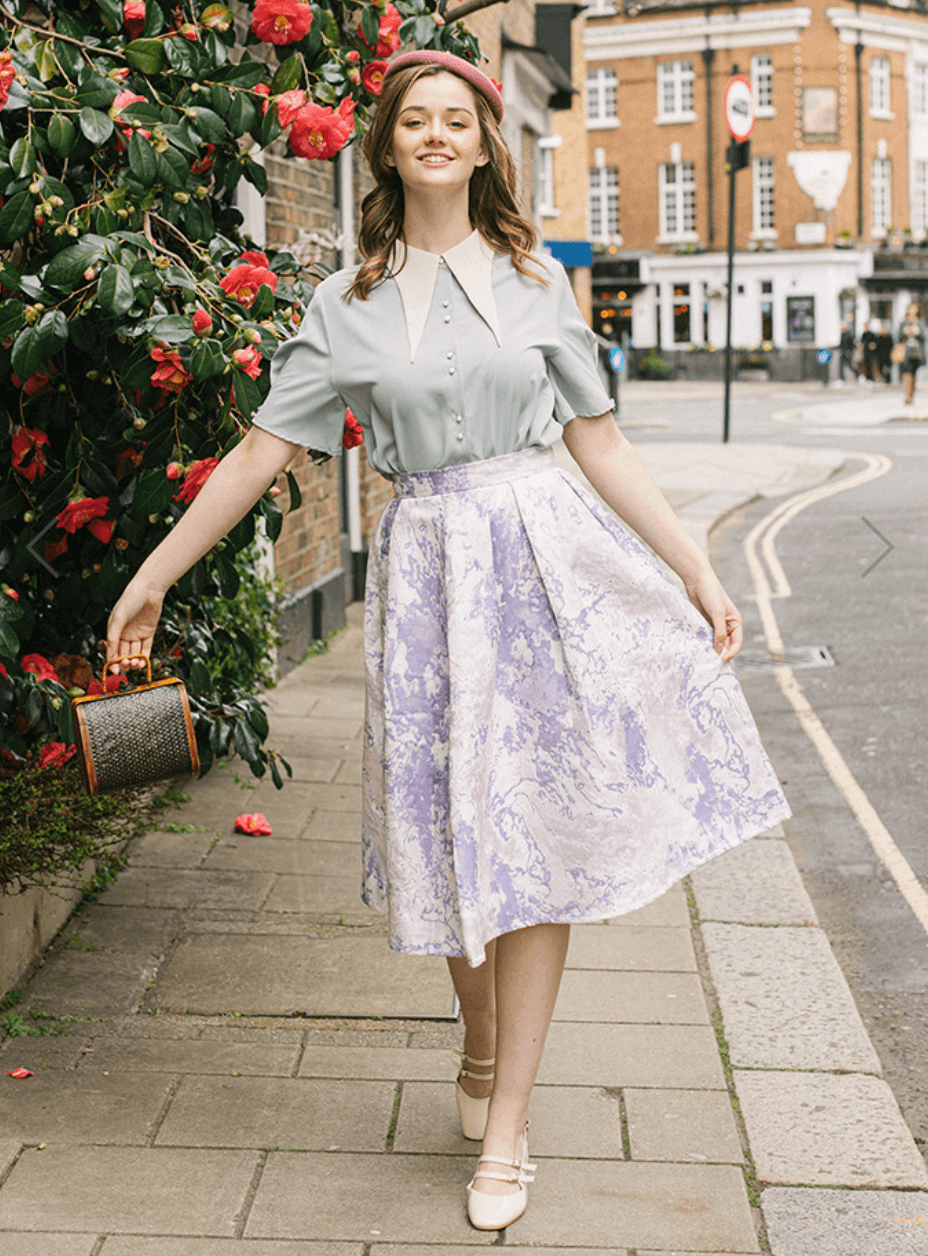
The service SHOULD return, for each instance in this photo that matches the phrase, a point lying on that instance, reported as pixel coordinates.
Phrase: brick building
(829, 212)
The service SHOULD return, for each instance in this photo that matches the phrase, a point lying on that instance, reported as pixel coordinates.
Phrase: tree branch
(470, 6)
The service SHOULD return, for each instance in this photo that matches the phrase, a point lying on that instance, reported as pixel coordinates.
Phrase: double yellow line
(764, 535)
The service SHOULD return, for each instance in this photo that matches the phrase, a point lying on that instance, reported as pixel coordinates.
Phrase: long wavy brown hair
(493, 208)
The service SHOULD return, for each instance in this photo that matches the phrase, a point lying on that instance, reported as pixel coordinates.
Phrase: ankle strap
(469, 1059)
(519, 1170)
(464, 1059)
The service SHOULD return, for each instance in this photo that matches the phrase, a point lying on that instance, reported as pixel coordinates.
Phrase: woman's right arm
(239, 480)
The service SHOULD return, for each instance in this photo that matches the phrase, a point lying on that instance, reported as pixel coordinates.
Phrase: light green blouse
(451, 360)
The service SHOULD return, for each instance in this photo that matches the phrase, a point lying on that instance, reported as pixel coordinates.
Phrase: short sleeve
(303, 405)
(573, 366)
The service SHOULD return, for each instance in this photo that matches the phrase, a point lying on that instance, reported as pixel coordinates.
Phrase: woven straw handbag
(136, 736)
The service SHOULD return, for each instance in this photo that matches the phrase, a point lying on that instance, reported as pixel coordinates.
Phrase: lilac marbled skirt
(550, 734)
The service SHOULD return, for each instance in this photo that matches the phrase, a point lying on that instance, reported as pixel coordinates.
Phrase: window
(681, 313)
(880, 196)
(546, 147)
(879, 86)
(763, 196)
(920, 87)
(677, 190)
(604, 202)
(675, 91)
(920, 199)
(800, 319)
(762, 84)
(600, 8)
(600, 98)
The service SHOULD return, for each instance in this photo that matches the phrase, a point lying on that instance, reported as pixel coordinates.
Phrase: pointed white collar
(471, 264)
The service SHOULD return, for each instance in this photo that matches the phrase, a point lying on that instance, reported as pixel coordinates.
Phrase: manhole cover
(798, 656)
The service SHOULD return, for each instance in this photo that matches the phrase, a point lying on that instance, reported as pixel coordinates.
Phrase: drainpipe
(345, 176)
(858, 54)
(708, 56)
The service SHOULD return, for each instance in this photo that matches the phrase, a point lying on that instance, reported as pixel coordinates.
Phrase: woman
(912, 335)
(551, 737)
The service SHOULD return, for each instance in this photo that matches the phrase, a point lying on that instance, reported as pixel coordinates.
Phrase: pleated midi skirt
(550, 735)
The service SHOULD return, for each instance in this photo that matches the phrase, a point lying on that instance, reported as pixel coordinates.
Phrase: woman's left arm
(616, 471)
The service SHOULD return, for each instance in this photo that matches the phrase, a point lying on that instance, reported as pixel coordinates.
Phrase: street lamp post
(739, 114)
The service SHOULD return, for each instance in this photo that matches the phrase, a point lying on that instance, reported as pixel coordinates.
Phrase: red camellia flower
(246, 277)
(170, 373)
(248, 360)
(39, 665)
(11, 593)
(113, 682)
(102, 529)
(281, 21)
(318, 132)
(389, 34)
(55, 754)
(122, 101)
(4, 673)
(133, 12)
(173, 470)
(195, 478)
(202, 323)
(76, 514)
(202, 164)
(128, 460)
(353, 435)
(7, 74)
(36, 384)
(289, 105)
(257, 825)
(372, 76)
(28, 454)
(54, 548)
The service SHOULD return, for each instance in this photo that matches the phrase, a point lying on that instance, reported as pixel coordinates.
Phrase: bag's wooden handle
(124, 658)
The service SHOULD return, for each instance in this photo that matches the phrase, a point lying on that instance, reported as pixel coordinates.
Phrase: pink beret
(457, 65)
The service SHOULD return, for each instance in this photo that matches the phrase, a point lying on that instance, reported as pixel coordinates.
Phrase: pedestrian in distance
(884, 349)
(554, 732)
(912, 339)
(847, 347)
(871, 356)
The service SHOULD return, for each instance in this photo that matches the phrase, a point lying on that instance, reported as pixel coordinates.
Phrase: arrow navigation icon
(35, 541)
(887, 543)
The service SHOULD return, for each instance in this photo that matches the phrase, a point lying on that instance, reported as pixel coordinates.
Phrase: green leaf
(425, 29)
(273, 518)
(96, 89)
(9, 642)
(69, 57)
(221, 99)
(183, 56)
(9, 276)
(16, 217)
(22, 158)
(207, 359)
(96, 126)
(11, 318)
(256, 174)
(181, 138)
(143, 160)
(247, 393)
(104, 220)
(197, 220)
(242, 534)
(246, 741)
(229, 579)
(270, 129)
(257, 718)
(53, 187)
(263, 303)
(173, 170)
(172, 328)
(134, 238)
(370, 25)
(45, 61)
(296, 497)
(289, 75)
(145, 55)
(35, 345)
(111, 12)
(209, 124)
(241, 114)
(115, 291)
(245, 74)
(66, 267)
(61, 134)
(153, 492)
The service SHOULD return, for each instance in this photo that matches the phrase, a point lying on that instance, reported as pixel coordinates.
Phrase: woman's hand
(713, 603)
(132, 623)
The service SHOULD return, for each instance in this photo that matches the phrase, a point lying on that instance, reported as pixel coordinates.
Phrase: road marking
(878, 835)
(889, 545)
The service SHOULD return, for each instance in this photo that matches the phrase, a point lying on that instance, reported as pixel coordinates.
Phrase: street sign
(739, 107)
(616, 359)
(823, 357)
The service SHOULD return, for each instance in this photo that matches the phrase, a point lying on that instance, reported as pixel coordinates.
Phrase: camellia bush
(137, 325)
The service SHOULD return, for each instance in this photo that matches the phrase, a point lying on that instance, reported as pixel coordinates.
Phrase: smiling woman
(554, 733)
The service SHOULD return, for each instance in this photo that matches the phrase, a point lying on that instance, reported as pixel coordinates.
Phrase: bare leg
(908, 381)
(529, 964)
(476, 990)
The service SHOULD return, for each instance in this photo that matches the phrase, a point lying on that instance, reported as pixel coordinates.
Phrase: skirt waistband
(468, 475)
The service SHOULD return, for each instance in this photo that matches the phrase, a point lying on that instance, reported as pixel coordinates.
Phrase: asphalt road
(873, 702)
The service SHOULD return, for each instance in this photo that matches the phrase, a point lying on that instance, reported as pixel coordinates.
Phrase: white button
(447, 318)
(445, 304)
(450, 370)
(460, 435)
(449, 354)
(458, 419)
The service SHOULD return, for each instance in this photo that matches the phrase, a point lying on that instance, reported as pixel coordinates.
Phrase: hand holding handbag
(135, 736)
(897, 354)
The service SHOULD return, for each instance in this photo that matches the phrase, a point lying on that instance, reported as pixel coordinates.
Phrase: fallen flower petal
(20, 1072)
(255, 824)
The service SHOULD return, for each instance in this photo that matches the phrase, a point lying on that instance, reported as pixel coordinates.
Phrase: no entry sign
(739, 108)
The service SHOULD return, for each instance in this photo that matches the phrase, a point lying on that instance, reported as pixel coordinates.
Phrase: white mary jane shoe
(473, 1112)
(495, 1212)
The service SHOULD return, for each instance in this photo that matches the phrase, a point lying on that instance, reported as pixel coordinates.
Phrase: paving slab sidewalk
(248, 1070)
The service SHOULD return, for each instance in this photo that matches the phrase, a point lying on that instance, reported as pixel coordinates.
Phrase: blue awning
(571, 252)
